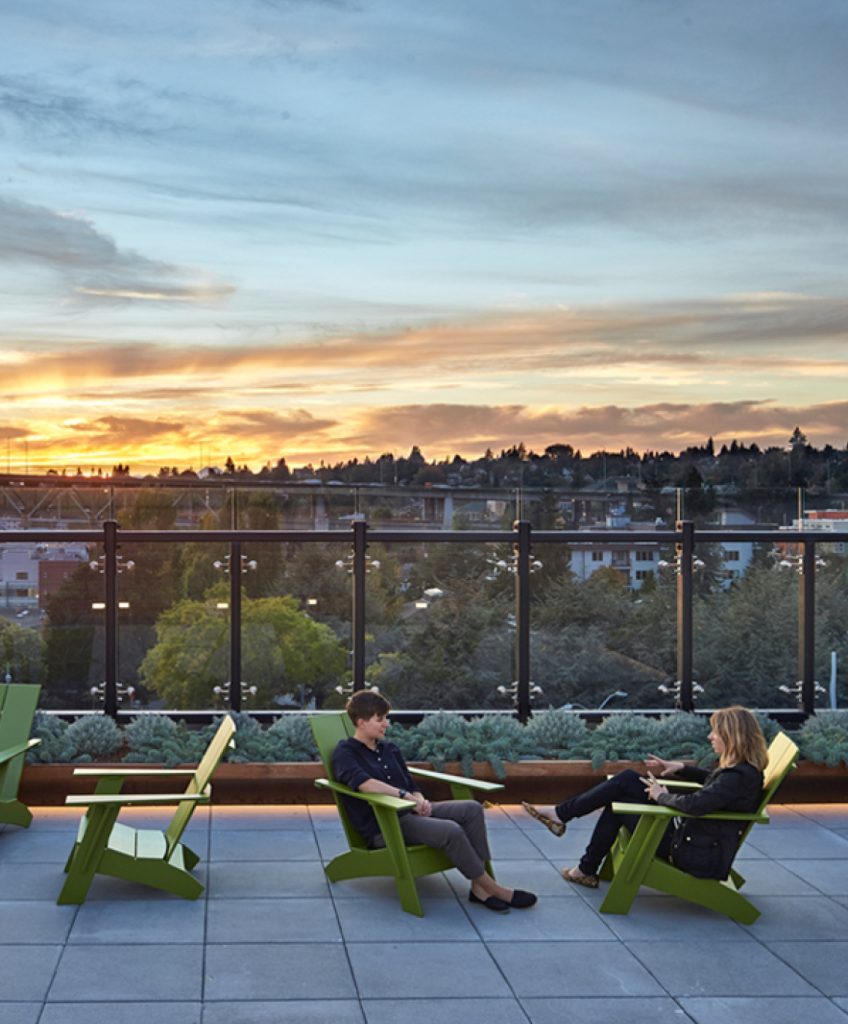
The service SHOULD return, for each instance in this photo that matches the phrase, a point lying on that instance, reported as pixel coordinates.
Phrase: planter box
(294, 782)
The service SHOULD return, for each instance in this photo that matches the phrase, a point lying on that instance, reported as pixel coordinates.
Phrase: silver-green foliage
(55, 746)
(292, 739)
(626, 737)
(557, 734)
(94, 736)
(493, 738)
(437, 738)
(682, 736)
(154, 739)
(823, 738)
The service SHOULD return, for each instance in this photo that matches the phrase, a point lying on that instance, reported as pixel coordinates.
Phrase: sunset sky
(320, 229)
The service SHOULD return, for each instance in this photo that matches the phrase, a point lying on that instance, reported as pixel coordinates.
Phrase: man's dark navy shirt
(354, 763)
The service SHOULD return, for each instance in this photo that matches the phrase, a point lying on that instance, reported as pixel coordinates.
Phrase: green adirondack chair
(397, 860)
(152, 857)
(17, 708)
(632, 862)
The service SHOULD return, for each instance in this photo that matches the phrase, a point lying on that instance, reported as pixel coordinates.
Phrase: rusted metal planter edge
(294, 782)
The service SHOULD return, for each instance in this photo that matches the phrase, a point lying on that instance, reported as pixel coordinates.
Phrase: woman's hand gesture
(658, 766)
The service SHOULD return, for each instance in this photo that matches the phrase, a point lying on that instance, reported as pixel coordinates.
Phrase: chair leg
(87, 854)
(404, 876)
(634, 862)
(13, 812)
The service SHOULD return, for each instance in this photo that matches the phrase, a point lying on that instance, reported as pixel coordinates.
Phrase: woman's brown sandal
(590, 881)
(551, 824)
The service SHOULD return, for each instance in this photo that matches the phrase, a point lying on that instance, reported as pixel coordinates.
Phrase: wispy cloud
(91, 264)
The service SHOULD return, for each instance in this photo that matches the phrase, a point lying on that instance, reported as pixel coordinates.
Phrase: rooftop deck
(271, 941)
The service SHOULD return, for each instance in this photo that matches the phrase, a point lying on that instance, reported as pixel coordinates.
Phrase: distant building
(636, 561)
(29, 574)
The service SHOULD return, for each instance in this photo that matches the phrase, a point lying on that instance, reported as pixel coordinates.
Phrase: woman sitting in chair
(367, 762)
(702, 848)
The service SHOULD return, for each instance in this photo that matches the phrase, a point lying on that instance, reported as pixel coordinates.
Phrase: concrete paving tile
(331, 843)
(263, 844)
(444, 921)
(445, 1011)
(565, 849)
(143, 921)
(276, 972)
(31, 881)
(711, 968)
(266, 920)
(772, 878)
(47, 847)
(324, 816)
(842, 1004)
(455, 969)
(783, 816)
(34, 921)
(266, 878)
(553, 917)
(654, 918)
(273, 818)
(312, 1011)
(122, 1013)
(539, 969)
(792, 843)
(384, 889)
(512, 844)
(774, 1010)
(26, 971)
(131, 973)
(19, 1013)
(635, 1010)
(822, 876)
(823, 964)
(833, 816)
(801, 917)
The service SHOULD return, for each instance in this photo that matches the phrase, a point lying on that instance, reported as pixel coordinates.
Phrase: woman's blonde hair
(742, 737)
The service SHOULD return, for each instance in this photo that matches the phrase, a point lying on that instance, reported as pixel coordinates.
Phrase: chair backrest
(782, 753)
(329, 730)
(18, 702)
(212, 756)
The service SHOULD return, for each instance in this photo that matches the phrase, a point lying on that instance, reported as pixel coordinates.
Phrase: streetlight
(612, 696)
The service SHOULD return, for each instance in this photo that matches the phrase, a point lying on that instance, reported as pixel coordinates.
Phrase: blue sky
(323, 229)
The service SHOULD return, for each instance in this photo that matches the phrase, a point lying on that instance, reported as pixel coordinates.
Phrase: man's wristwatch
(401, 794)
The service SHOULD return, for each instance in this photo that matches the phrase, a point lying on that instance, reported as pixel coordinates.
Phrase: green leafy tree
(21, 653)
(283, 650)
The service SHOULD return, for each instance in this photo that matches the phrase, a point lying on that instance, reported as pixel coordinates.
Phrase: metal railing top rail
(383, 535)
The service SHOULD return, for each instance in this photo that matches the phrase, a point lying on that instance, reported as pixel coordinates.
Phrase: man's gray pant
(456, 826)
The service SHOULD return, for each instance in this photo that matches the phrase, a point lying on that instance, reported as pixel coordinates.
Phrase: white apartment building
(22, 569)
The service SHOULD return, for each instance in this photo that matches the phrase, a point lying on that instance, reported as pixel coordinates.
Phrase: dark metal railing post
(360, 567)
(685, 569)
(522, 619)
(110, 580)
(235, 625)
(807, 628)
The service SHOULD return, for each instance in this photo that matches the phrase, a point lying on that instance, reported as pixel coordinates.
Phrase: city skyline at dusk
(319, 229)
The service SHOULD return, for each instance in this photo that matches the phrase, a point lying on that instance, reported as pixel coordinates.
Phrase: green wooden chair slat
(405, 863)
(632, 862)
(18, 702)
(151, 857)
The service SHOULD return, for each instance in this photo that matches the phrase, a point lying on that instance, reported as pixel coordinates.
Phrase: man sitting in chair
(367, 762)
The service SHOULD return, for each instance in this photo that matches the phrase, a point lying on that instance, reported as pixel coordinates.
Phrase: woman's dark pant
(626, 787)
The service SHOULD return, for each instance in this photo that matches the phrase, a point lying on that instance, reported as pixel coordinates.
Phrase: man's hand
(422, 804)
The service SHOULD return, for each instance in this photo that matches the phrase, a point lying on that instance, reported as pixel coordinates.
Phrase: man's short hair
(364, 704)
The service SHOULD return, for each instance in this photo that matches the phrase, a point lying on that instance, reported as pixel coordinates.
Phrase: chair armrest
(133, 772)
(19, 748)
(484, 787)
(679, 784)
(392, 803)
(659, 811)
(133, 799)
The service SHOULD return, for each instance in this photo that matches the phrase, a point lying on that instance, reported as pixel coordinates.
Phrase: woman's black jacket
(706, 848)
